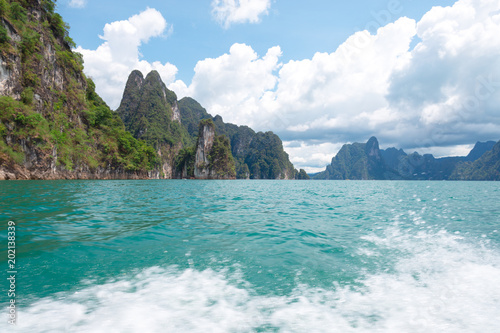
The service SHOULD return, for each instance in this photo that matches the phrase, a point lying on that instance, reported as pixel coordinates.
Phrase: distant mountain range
(364, 161)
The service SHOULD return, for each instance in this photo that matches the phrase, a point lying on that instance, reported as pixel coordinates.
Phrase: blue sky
(300, 28)
(421, 75)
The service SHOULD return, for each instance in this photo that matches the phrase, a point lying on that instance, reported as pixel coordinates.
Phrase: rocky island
(53, 125)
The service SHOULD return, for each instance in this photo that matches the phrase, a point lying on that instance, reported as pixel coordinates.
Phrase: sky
(419, 75)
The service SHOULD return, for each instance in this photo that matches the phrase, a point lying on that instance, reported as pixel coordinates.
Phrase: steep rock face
(176, 113)
(49, 71)
(358, 161)
(393, 157)
(151, 112)
(257, 155)
(372, 149)
(52, 123)
(203, 149)
(131, 97)
(213, 159)
(415, 166)
(377, 169)
(487, 167)
(367, 161)
(10, 65)
(147, 109)
(480, 148)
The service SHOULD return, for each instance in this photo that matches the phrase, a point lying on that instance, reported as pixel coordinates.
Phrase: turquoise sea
(253, 256)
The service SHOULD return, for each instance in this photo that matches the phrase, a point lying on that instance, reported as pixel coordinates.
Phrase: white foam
(439, 284)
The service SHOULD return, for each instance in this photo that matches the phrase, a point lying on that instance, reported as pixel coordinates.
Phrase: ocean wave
(438, 283)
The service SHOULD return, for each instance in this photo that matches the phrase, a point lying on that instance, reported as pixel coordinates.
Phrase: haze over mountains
(364, 161)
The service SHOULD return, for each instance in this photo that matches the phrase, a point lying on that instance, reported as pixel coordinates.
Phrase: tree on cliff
(52, 123)
(221, 161)
(302, 175)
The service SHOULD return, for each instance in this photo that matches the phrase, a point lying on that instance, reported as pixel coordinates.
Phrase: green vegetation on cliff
(220, 159)
(302, 175)
(152, 113)
(486, 167)
(51, 119)
(191, 115)
(148, 110)
(184, 162)
(256, 155)
(367, 161)
(266, 158)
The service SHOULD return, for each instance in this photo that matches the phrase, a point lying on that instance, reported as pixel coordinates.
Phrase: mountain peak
(135, 80)
(372, 141)
(153, 75)
(372, 148)
(136, 73)
(480, 148)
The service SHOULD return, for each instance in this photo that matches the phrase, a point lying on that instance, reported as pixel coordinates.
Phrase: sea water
(252, 256)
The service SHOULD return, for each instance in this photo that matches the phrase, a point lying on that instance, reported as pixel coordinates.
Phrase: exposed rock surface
(486, 167)
(52, 123)
(257, 155)
(152, 113)
(367, 161)
(203, 149)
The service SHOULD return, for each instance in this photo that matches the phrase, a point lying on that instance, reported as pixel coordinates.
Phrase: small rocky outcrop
(213, 158)
(203, 149)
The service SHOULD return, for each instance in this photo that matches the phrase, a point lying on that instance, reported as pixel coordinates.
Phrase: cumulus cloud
(450, 87)
(227, 12)
(239, 80)
(111, 63)
(77, 3)
(443, 92)
(311, 157)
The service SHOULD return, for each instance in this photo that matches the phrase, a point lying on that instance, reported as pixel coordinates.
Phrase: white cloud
(311, 157)
(239, 80)
(441, 93)
(459, 150)
(305, 99)
(111, 63)
(227, 12)
(77, 3)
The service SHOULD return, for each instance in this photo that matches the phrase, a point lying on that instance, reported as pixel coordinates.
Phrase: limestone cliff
(151, 113)
(213, 158)
(257, 155)
(486, 167)
(358, 161)
(367, 161)
(203, 149)
(52, 123)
